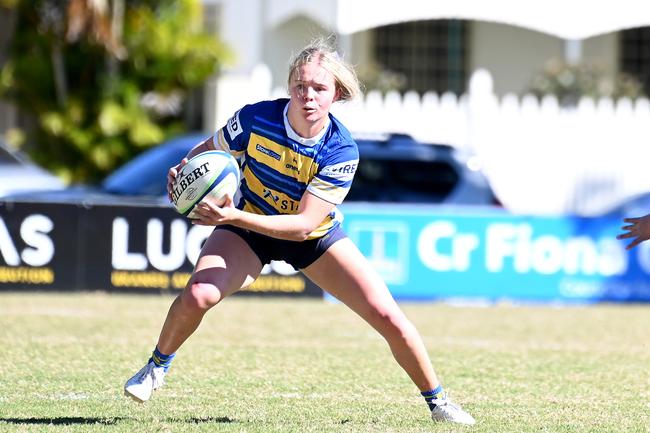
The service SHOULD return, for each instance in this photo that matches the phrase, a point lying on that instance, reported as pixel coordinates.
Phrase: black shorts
(298, 254)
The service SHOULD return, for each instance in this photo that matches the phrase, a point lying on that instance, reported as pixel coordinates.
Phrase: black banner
(115, 248)
(39, 246)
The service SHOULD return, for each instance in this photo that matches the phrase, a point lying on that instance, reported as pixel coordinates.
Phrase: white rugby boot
(145, 382)
(446, 410)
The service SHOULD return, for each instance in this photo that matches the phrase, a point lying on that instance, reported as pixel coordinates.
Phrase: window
(635, 55)
(430, 54)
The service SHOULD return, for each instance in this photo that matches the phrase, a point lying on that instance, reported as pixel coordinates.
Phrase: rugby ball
(209, 175)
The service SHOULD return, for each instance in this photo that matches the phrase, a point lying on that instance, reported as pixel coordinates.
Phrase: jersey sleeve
(233, 136)
(334, 177)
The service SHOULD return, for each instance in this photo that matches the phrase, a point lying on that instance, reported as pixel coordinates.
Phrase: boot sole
(133, 397)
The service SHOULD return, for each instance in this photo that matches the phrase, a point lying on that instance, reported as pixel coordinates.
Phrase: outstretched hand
(209, 213)
(638, 229)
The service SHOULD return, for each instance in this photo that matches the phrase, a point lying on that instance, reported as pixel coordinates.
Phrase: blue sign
(426, 253)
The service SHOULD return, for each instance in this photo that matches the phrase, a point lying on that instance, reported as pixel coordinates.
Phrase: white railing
(540, 158)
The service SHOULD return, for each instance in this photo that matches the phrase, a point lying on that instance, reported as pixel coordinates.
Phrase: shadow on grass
(210, 419)
(66, 420)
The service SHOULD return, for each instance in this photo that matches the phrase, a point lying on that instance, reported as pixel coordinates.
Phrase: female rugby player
(298, 162)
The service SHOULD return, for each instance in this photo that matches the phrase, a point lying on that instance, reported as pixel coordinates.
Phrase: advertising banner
(422, 252)
(116, 248)
(38, 246)
(479, 254)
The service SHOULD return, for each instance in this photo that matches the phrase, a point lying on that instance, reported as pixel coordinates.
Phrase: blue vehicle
(398, 169)
(392, 169)
(146, 174)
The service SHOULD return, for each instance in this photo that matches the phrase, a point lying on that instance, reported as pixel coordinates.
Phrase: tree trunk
(60, 82)
(117, 26)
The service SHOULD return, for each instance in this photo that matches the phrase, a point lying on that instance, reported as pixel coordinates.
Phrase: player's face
(313, 90)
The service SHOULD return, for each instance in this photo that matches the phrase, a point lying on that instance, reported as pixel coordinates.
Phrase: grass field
(285, 365)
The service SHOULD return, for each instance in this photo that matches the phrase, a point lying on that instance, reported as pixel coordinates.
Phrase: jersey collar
(294, 135)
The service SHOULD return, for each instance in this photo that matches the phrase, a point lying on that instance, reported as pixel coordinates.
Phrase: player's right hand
(171, 177)
(638, 230)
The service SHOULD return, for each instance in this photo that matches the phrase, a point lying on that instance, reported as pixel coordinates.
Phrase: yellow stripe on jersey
(327, 191)
(281, 159)
(279, 200)
(222, 144)
(322, 229)
(252, 209)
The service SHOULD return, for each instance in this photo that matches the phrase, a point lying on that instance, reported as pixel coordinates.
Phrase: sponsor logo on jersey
(234, 126)
(292, 167)
(280, 204)
(266, 151)
(341, 170)
(269, 194)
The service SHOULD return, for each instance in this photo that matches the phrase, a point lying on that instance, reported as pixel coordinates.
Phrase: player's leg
(347, 275)
(343, 272)
(225, 265)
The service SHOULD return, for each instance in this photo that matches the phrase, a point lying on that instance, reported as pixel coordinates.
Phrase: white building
(511, 39)
(470, 62)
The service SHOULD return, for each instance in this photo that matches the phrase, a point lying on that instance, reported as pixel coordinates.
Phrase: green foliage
(570, 82)
(97, 100)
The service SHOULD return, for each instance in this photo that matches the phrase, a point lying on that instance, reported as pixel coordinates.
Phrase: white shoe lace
(144, 382)
(157, 376)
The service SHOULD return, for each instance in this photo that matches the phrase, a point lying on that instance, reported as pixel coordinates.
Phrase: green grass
(285, 365)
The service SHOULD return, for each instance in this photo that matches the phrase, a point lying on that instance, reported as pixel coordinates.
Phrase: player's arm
(203, 146)
(312, 210)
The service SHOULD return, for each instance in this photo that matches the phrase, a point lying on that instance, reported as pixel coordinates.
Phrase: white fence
(539, 157)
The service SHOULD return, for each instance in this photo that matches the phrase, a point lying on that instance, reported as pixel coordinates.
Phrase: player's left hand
(208, 213)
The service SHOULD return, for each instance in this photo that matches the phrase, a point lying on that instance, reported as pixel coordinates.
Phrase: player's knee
(392, 323)
(201, 296)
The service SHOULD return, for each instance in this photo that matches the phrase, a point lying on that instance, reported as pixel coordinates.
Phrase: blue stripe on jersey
(279, 139)
(268, 122)
(276, 180)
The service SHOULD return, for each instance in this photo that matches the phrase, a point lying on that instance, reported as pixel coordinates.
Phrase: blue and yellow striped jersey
(278, 166)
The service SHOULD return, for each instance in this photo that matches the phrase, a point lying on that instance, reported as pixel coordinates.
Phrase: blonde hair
(345, 77)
